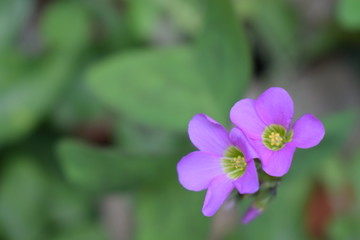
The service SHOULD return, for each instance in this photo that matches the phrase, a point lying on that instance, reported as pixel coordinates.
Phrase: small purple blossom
(224, 162)
(266, 122)
(251, 214)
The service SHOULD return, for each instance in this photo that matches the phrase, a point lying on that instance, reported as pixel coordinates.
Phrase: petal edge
(279, 163)
(208, 135)
(219, 189)
(197, 169)
(275, 106)
(308, 131)
(243, 115)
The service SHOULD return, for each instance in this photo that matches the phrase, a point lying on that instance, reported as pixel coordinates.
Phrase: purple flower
(251, 214)
(224, 162)
(266, 122)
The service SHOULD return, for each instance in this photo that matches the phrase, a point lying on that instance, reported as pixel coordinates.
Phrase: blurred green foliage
(347, 14)
(119, 83)
(96, 95)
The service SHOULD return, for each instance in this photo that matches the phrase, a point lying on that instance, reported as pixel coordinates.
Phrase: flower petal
(243, 114)
(208, 135)
(308, 131)
(249, 182)
(197, 169)
(278, 164)
(239, 139)
(275, 106)
(219, 189)
(263, 152)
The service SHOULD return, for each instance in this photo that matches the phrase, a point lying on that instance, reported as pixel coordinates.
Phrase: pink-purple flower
(224, 162)
(267, 123)
(252, 213)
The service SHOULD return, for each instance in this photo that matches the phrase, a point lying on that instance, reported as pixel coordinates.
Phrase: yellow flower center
(233, 162)
(275, 137)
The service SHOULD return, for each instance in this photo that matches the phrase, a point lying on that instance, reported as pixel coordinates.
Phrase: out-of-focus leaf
(170, 212)
(23, 191)
(68, 209)
(74, 107)
(147, 16)
(224, 54)
(66, 24)
(29, 89)
(14, 15)
(12, 68)
(100, 170)
(348, 14)
(355, 177)
(345, 225)
(24, 102)
(90, 232)
(185, 14)
(345, 228)
(276, 27)
(322, 42)
(246, 9)
(132, 137)
(116, 33)
(29, 92)
(333, 174)
(160, 88)
(87, 167)
(143, 15)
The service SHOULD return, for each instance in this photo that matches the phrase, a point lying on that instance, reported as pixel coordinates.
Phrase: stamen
(275, 137)
(234, 163)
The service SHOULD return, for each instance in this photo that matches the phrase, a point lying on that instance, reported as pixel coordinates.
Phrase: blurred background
(96, 95)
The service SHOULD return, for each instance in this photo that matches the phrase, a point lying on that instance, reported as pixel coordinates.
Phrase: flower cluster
(226, 161)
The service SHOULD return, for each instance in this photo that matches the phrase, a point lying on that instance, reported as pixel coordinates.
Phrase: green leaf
(68, 208)
(355, 176)
(30, 88)
(160, 88)
(75, 109)
(143, 15)
(27, 97)
(344, 227)
(275, 26)
(148, 16)
(14, 15)
(87, 232)
(23, 192)
(133, 136)
(66, 24)
(101, 170)
(87, 167)
(348, 14)
(170, 212)
(224, 54)
(116, 32)
(246, 9)
(185, 14)
(333, 174)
